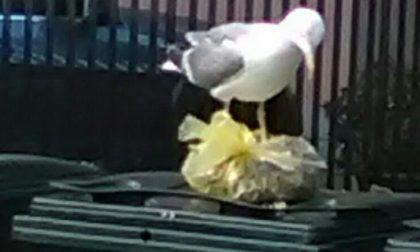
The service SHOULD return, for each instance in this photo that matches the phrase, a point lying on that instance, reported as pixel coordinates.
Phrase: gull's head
(306, 28)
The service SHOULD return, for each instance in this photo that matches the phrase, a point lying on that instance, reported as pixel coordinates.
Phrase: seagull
(250, 62)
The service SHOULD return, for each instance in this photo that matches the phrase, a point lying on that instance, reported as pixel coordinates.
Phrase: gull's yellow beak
(310, 64)
(308, 54)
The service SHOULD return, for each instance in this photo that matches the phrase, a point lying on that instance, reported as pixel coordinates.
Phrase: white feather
(271, 57)
(170, 67)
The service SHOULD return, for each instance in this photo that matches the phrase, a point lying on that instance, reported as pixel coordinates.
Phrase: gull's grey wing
(231, 31)
(208, 64)
(195, 37)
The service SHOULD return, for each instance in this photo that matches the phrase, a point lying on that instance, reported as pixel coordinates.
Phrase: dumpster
(408, 241)
(157, 212)
(23, 176)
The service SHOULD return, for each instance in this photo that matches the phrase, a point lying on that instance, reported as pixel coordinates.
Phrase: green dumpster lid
(112, 210)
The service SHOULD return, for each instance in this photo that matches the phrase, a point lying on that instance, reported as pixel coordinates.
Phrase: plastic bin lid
(25, 174)
(409, 241)
(150, 210)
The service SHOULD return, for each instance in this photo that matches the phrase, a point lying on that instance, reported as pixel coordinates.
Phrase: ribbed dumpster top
(109, 219)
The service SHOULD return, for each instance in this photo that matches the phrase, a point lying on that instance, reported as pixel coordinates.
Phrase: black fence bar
(71, 34)
(332, 142)
(49, 43)
(134, 30)
(401, 36)
(153, 34)
(192, 15)
(170, 36)
(300, 77)
(414, 125)
(268, 5)
(354, 48)
(6, 43)
(400, 87)
(416, 42)
(416, 48)
(113, 48)
(211, 15)
(27, 51)
(317, 87)
(382, 92)
(368, 90)
(92, 22)
(285, 5)
(249, 10)
(230, 12)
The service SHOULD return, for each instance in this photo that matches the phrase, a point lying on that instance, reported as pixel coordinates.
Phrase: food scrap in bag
(227, 160)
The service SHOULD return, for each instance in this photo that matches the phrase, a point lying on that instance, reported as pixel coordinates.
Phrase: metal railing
(131, 36)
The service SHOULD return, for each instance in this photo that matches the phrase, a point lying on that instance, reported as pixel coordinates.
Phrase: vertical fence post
(317, 87)
(134, 29)
(299, 76)
(230, 11)
(211, 17)
(113, 12)
(49, 45)
(170, 25)
(399, 88)
(71, 16)
(381, 94)
(192, 15)
(92, 22)
(285, 5)
(268, 5)
(249, 10)
(154, 24)
(416, 47)
(367, 95)
(6, 43)
(354, 48)
(334, 93)
(414, 125)
(27, 52)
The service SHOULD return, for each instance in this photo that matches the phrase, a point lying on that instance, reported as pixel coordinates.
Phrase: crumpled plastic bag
(227, 160)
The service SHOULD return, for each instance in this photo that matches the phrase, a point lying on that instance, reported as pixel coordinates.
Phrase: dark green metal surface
(23, 176)
(107, 216)
(408, 242)
(124, 228)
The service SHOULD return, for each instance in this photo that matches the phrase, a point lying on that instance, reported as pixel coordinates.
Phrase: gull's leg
(261, 120)
(226, 106)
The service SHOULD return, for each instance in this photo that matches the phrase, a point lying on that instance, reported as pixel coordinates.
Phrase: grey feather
(208, 64)
(219, 33)
(195, 37)
(231, 31)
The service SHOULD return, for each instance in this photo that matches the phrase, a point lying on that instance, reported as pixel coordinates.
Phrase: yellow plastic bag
(226, 160)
